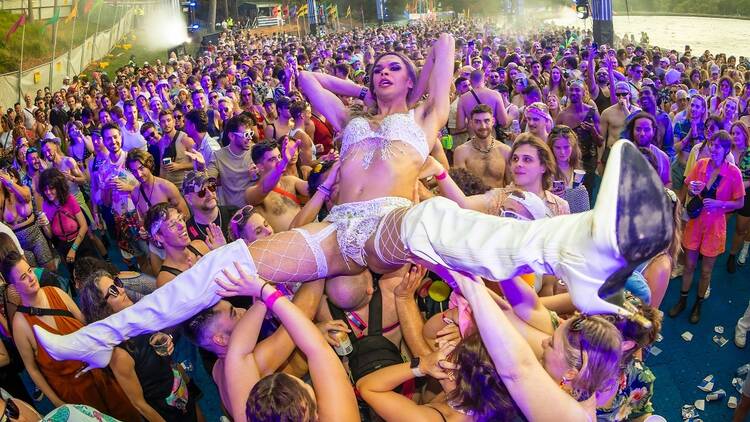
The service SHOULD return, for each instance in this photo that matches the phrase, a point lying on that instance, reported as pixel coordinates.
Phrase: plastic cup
(578, 175)
(160, 342)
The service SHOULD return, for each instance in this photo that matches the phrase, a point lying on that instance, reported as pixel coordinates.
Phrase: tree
(30, 11)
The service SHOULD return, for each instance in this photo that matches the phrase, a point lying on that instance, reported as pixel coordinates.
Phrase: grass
(38, 39)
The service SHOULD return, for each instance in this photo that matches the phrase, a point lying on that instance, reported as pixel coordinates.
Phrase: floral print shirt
(635, 388)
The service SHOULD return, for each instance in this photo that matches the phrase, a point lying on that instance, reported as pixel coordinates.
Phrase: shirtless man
(479, 94)
(483, 155)
(584, 120)
(613, 119)
(152, 189)
(276, 192)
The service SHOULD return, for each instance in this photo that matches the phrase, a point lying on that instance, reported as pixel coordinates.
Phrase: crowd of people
(405, 224)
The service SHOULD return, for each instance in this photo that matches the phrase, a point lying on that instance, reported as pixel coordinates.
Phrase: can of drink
(345, 345)
(447, 141)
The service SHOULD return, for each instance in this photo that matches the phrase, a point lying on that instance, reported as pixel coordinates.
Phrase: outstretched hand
(410, 282)
(243, 284)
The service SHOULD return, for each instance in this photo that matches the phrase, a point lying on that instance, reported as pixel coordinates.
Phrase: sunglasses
(208, 187)
(621, 94)
(178, 116)
(247, 134)
(240, 217)
(561, 129)
(113, 290)
(512, 214)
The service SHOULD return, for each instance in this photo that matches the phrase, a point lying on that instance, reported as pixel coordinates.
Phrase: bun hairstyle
(593, 345)
(480, 391)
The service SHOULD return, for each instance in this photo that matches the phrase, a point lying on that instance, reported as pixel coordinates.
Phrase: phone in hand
(558, 186)
(166, 161)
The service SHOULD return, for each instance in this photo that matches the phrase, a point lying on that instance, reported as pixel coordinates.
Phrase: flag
(73, 13)
(348, 11)
(332, 11)
(19, 23)
(87, 7)
(293, 11)
(302, 11)
(55, 17)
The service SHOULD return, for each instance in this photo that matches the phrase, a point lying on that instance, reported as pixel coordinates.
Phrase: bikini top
(401, 127)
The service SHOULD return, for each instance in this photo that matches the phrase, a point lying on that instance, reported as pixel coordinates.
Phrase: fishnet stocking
(284, 257)
(388, 245)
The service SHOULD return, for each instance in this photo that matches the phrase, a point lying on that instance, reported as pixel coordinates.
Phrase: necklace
(483, 151)
(198, 226)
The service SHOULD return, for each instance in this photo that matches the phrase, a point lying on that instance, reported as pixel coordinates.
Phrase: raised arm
(325, 99)
(254, 195)
(408, 312)
(450, 189)
(335, 397)
(308, 213)
(435, 110)
(515, 361)
(526, 304)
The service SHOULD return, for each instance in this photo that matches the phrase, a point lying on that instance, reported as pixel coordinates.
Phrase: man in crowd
(483, 155)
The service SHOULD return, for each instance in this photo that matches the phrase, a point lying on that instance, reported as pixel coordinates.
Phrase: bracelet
(363, 93)
(74, 247)
(325, 190)
(270, 300)
(263, 287)
(442, 175)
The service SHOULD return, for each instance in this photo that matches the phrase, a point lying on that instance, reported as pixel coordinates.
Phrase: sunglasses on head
(207, 187)
(241, 216)
(561, 129)
(113, 290)
(512, 214)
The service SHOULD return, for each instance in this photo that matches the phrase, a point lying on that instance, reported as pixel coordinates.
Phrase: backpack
(372, 351)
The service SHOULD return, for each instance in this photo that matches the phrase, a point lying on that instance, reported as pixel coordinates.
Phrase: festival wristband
(442, 175)
(363, 93)
(270, 300)
(325, 191)
(74, 247)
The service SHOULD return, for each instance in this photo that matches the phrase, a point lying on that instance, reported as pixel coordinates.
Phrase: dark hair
(479, 388)
(195, 327)
(636, 332)
(7, 245)
(158, 212)
(110, 126)
(87, 265)
(146, 126)
(259, 150)
(93, 306)
(481, 108)
(278, 397)
(10, 260)
(199, 119)
(297, 108)
(54, 179)
(459, 81)
(233, 124)
(630, 127)
(469, 183)
(140, 156)
(724, 138)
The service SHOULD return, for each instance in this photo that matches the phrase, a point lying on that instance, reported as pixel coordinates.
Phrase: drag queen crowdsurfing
(375, 224)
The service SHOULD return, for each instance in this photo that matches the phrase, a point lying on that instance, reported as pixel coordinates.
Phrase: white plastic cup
(578, 176)
(655, 418)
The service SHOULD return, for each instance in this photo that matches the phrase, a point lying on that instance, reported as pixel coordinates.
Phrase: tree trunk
(212, 15)
(226, 9)
(30, 12)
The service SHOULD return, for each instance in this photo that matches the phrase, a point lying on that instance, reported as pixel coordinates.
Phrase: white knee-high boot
(593, 252)
(189, 293)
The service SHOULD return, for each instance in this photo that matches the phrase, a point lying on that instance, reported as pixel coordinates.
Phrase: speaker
(604, 32)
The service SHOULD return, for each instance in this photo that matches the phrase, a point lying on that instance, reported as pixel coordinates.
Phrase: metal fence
(68, 62)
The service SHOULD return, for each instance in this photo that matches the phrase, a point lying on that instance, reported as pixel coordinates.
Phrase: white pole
(20, 62)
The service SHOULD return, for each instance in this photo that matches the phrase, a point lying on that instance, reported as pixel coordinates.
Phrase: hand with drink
(331, 331)
(162, 343)
(696, 187)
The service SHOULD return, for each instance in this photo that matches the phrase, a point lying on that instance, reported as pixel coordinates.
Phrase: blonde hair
(574, 162)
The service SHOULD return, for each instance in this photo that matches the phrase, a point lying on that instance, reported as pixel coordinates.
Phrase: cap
(623, 86)
(681, 94)
(194, 181)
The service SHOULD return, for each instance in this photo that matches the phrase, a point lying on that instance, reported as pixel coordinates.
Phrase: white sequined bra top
(359, 139)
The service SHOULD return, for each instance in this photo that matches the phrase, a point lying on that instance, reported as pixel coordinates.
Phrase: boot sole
(643, 223)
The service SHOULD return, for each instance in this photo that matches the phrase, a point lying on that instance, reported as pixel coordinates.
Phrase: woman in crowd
(715, 189)
(563, 142)
(472, 388)
(60, 381)
(556, 83)
(249, 225)
(740, 240)
(631, 400)
(67, 225)
(17, 208)
(553, 105)
(729, 112)
(577, 366)
(80, 147)
(166, 227)
(532, 170)
(136, 284)
(724, 91)
(688, 133)
(152, 382)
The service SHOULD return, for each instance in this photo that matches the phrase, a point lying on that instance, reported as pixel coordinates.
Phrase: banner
(19, 23)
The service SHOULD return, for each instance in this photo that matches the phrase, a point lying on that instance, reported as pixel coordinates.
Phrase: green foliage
(37, 47)
(703, 7)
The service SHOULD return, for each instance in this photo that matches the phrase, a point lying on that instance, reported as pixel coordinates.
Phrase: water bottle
(447, 141)
(515, 127)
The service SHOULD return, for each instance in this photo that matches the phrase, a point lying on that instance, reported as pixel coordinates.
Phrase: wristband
(270, 300)
(325, 190)
(442, 175)
(263, 287)
(363, 93)
(414, 365)
(74, 247)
